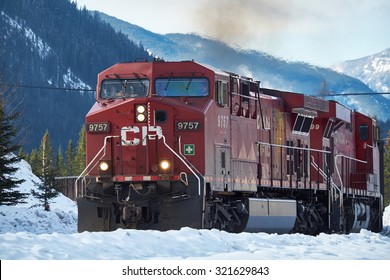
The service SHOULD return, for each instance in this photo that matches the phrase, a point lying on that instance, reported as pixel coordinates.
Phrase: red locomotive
(182, 144)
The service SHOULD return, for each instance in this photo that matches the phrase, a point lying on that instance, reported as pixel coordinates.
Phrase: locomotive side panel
(185, 144)
(244, 155)
(217, 137)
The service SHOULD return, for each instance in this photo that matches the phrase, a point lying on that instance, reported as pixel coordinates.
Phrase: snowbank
(32, 233)
(31, 218)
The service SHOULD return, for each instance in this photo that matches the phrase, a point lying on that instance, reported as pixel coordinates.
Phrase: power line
(46, 87)
(92, 90)
(357, 93)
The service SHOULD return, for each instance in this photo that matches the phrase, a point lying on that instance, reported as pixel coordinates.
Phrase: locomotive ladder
(333, 191)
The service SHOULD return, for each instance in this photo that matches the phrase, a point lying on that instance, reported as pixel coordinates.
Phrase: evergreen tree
(70, 158)
(21, 154)
(8, 184)
(60, 164)
(79, 161)
(35, 163)
(46, 189)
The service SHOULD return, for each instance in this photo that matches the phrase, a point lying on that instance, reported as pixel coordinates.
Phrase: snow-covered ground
(34, 234)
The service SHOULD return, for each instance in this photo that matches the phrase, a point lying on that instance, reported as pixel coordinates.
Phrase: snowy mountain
(52, 44)
(48, 47)
(32, 233)
(374, 70)
(271, 71)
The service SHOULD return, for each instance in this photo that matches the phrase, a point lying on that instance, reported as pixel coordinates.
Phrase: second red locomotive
(182, 144)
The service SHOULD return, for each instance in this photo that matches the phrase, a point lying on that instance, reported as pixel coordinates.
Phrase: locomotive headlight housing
(140, 113)
(105, 168)
(165, 166)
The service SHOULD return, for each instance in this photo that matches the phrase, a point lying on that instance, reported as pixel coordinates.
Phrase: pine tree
(70, 158)
(79, 161)
(8, 184)
(46, 189)
(60, 164)
(21, 154)
(35, 163)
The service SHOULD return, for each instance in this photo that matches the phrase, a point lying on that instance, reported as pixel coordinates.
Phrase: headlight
(141, 109)
(141, 118)
(105, 168)
(140, 113)
(165, 165)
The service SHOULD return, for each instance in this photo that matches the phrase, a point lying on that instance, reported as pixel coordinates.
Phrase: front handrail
(88, 168)
(189, 166)
(183, 161)
(204, 186)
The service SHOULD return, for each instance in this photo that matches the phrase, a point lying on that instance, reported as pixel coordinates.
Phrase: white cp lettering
(124, 131)
(146, 131)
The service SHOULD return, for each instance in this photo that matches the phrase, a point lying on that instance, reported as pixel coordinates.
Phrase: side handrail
(347, 157)
(350, 158)
(292, 147)
(323, 174)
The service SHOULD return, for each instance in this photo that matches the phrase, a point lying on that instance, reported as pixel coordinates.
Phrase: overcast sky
(314, 31)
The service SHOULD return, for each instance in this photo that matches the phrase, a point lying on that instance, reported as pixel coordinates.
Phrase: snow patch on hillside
(374, 70)
(37, 43)
(72, 81)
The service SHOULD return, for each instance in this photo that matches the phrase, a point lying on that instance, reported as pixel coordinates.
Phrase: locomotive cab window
(244, 91)
(328, 129)
(221, 93)
(363, 132)
(302, 124)
(181, 87)
(124, 88)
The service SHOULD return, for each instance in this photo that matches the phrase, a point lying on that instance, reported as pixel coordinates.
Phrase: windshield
(182, 87)
(122, 88)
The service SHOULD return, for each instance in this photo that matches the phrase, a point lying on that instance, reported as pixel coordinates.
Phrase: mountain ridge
(272, 71)
(373, 69)
(48, 47)
(54, 44)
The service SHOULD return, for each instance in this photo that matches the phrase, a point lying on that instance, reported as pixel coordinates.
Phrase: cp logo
(143, 132)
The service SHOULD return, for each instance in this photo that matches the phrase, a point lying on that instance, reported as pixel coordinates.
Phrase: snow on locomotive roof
(266, 96)
(214, 69)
